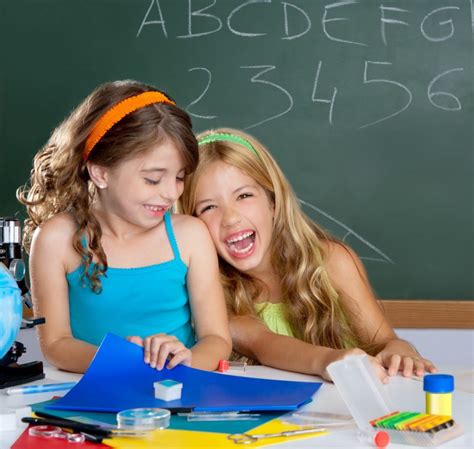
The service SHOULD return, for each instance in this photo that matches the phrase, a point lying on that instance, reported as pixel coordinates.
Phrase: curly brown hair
(60, 181)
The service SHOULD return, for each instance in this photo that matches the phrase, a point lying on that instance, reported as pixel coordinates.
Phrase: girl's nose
(230, 217)
(170, 191)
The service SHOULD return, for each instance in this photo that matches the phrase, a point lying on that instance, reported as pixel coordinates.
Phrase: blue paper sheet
(119, 379)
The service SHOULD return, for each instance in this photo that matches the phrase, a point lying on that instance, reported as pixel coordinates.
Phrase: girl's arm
(206, 297)
(252, 338)
(349, 277)
(50, 248)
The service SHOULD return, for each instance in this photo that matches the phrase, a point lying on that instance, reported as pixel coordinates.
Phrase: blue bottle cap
(438, 383)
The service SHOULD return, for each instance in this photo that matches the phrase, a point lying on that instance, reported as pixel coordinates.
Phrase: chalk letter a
(153, 22)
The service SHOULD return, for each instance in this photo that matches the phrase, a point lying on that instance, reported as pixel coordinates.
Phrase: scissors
(246, 438)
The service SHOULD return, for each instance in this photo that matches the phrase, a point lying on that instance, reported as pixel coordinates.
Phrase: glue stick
(439, 388)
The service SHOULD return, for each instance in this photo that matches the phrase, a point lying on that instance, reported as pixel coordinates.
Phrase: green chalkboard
(367, 105)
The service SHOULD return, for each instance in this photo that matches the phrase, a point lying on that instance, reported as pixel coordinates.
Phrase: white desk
(406, 394)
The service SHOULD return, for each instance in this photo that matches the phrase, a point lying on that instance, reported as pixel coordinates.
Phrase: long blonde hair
(297, 249)
(60, 182)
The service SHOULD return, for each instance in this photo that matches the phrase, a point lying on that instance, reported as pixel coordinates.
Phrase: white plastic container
(168, 390)
(365, 398)
(143, 419)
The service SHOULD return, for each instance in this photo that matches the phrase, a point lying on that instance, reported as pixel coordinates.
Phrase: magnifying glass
(56, 432)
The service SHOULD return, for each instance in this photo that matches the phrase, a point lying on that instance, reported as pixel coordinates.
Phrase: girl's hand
(399, 355)
(137, 340)
(161, 347)
(339, 354)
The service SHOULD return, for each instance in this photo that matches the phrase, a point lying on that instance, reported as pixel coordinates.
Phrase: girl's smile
(241, 244)
(239, 216)
(140, 190)
(156, 211)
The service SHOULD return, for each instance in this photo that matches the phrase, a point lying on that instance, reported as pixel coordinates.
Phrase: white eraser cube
(168, 390)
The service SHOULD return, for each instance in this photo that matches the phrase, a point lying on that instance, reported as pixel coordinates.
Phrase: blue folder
(119, 379)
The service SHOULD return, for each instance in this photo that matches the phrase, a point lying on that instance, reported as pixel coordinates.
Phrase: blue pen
(31, 389)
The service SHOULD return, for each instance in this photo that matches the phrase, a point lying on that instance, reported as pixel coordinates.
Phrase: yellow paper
(176, 439)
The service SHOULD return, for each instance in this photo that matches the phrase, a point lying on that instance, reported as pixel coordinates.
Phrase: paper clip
(221, 416)
(56, 432)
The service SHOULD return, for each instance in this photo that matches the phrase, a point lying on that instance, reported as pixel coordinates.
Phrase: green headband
(226, 137)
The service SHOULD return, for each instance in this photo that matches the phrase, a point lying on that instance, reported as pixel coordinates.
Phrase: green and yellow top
(274, 316)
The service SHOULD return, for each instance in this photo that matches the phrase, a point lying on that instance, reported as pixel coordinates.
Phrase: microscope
(11, 372)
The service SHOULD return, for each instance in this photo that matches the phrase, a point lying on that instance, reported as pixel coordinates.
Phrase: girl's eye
(242, 196)
(180, 178)
(152, 181)
(206, 209)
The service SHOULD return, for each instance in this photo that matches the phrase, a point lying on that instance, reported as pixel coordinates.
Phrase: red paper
(25, 441)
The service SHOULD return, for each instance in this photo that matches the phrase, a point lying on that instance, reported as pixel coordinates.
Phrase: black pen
(70, 421)
(176, 410)
(75, 426)
(92, 438)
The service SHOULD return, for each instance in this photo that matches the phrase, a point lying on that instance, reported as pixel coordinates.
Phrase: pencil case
(417, 429)
(367, 401)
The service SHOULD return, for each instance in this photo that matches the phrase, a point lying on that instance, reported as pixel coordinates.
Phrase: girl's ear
(271, 200)
(98, 174)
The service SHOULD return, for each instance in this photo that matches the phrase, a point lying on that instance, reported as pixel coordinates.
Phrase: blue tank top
(134, 301)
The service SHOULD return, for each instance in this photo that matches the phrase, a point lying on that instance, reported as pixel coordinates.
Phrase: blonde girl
(106, 253)
(298, 299)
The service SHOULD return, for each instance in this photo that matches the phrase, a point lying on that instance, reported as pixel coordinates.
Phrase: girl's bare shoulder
(342, 262)
(58, 227)
(191, 233)
(54, 238)
(188, 226)
(338, 252)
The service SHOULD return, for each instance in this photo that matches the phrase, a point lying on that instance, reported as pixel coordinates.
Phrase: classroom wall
(446, 347)
(367, 105)
(443, 346)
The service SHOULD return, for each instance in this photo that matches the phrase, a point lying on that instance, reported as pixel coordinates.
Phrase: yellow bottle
(439, 388)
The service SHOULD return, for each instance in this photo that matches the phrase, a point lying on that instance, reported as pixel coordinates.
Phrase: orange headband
(118, 112)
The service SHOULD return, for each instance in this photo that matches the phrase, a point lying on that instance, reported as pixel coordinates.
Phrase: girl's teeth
(240, 237)
(243, 250)
(154, 208)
